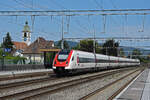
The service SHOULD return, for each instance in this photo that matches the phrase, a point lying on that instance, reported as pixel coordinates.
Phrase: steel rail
(111, 84)
(22, 83)
(59, 86)
(25, 75)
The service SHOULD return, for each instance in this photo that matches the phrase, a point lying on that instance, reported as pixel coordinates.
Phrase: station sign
(7, 49)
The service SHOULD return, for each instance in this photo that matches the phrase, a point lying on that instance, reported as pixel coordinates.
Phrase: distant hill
(70, 43)
(130, 49)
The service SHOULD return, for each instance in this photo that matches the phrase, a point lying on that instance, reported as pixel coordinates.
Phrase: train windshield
(63, 55)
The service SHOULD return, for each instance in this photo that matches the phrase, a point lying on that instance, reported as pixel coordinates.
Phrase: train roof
(68, 50)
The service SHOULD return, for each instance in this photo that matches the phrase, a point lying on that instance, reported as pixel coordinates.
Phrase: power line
(114, 6)
(8, 6)
(23, 4)
(57, 4)
(143, 24)
(115, 38)
(104, 23)
(78, 22)
(98, 5)
(62, 7)
(30, 6)
(76, 12)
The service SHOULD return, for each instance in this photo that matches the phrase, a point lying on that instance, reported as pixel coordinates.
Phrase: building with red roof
(20, 45)
(33, 52)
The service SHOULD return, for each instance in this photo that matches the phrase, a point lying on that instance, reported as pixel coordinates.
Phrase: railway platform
(5, 74)
(138, 89)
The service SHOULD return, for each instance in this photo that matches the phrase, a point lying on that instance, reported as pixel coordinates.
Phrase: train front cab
(62, 61)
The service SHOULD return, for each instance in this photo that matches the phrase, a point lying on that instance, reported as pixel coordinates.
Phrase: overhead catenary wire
(8, 6)
(33, 20)
(23, 4)
(68, 23)
(58, 13)
(89, 22)
(32, 3)
(77, 21)
(115, 7)
(144, 18)
(31, 7)
(126, 24)
(57, 4)
(115, 38)
(104, 24)
(16, 19)
(112, 2)
(98, 4)
(101, 8)
(143, 24)
(69, 17)
(51, 18)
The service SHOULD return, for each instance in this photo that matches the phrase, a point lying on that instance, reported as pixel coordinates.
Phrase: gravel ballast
(78, 91)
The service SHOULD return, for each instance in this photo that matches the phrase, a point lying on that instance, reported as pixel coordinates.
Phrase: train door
(73, 60)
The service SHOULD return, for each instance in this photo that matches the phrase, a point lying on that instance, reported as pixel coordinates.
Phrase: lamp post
(3, 54)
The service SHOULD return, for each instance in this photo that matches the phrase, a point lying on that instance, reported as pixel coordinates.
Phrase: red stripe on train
(57, 63)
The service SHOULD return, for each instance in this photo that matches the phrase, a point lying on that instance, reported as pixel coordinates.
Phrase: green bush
(14, 60)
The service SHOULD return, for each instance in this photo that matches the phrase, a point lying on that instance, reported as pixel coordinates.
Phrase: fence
(9, 64)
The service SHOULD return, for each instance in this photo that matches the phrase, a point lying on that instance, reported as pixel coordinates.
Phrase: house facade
(19, 48)
(33, 53)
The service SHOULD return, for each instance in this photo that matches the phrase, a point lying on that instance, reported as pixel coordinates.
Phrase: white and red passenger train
(69, 61)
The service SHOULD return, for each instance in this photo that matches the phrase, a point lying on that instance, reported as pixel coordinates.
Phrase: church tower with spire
(26, 37)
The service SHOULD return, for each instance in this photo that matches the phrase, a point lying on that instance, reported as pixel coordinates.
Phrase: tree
(121, 52)
(136, 54)
(66, 45)
(148, 57)
(110, 48)
(87, 45)
(7, 42)
(1, 53)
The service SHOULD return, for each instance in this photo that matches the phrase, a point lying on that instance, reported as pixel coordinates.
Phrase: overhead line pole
(94, 46)
(62, 41)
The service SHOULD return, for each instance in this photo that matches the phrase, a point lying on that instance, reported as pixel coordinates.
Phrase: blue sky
(81, 26)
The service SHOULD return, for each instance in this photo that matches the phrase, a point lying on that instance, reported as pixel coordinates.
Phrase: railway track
(54, 88)
(100, 94)
(21, 83)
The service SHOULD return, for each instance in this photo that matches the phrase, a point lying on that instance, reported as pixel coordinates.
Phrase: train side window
(72, 58)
